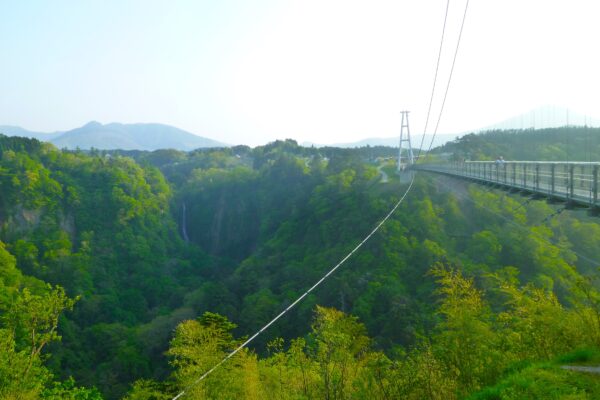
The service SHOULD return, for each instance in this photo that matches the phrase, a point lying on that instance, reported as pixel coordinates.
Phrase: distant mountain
(545, 117)
(18, 131)
(120, 136)
(391, 142)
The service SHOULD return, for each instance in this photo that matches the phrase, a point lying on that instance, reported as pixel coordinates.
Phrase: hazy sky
(323, 71)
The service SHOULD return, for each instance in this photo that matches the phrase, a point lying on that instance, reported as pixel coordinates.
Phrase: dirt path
(581, 368)
(384, 176)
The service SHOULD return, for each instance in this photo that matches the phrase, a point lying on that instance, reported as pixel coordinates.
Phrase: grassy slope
(548, 380)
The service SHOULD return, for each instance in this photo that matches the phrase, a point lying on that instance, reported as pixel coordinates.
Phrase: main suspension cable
(437, 67)
(462, 25)
(343, 260)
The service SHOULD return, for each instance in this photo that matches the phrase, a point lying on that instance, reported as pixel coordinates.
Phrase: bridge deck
(574, 182)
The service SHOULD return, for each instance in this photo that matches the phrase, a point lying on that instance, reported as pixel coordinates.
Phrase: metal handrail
(573, 181)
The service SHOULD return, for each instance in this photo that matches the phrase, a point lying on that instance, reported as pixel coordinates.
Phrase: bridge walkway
(572, 182)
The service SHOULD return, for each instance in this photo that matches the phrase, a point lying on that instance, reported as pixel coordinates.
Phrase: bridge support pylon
(405, 137)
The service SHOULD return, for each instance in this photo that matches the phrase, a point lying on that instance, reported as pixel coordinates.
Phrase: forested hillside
(568, 143)
(135, 272)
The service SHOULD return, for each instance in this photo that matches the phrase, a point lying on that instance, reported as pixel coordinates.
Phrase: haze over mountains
(119, 136)
(549, 116)
(159, 136)
(10, 130)
(152, 136)
(538, 118)
(439, 140)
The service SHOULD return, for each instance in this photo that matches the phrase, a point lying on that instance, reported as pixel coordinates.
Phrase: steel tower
(405, 137)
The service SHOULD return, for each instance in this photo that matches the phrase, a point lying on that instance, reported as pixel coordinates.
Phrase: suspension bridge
(575, 183)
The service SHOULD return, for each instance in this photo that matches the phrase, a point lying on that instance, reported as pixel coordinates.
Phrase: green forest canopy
(92, 259)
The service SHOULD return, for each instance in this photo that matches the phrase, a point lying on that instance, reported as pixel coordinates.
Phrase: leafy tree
(466, 342)
(68, 391)
(28, 323)
(199, 345)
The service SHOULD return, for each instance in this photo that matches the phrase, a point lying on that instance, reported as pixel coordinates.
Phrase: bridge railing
(570, 181)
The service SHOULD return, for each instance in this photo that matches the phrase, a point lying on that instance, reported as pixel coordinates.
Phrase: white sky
(323, 71)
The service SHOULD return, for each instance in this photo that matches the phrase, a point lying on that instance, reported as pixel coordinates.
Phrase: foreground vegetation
(464, 292)
(470, 348)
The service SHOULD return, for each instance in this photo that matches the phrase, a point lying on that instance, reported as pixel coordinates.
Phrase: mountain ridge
(11, 130)
(115, 135)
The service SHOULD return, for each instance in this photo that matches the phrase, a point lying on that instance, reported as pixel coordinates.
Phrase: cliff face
(21, 220)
